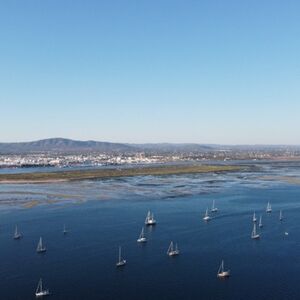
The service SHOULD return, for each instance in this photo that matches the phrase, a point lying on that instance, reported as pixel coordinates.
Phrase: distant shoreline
(93, 174)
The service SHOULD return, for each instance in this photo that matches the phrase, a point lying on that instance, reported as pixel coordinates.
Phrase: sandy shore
(92, 174)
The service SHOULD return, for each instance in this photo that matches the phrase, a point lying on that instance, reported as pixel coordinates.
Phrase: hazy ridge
(63, 145)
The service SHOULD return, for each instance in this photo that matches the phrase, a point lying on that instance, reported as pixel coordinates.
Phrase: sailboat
(40, 247)
(40, 292)
(17, 234)
(269, 208)
(213, 208)
(150, 219)
(65, 231)
(206, 216)
(172, 251)
(260, 224)
(142, 238)
(254, 234)
(121, 262)
(280, 216)
(221, 273)
(254, 218)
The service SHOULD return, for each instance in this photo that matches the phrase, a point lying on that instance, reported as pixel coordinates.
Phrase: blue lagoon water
(101, 215)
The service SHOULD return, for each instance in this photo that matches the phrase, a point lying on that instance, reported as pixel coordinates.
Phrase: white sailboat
(280, 216)
(40, 292)
(142, 238)
(221, 273)
(121, 262)
(65, 231)
(255, 235)
(206, 216)
(40, 247)
(214, 208)
(150, 219)
(260, 224)
(254, 219)
(269, 208)
(172, 251)
(17, 234)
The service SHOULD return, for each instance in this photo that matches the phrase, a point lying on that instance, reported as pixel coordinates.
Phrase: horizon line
(151, 143)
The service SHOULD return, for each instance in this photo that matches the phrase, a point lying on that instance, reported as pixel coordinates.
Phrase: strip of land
(288, 179)
(61, 176)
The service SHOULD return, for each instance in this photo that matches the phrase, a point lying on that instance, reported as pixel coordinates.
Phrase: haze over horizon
(154, 143)
(208, 72)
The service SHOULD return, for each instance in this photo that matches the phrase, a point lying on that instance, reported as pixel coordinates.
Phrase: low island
(106, 173)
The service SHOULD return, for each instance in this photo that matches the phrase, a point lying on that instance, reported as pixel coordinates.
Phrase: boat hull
(41, 250)
(224, 274)
(142, 240)
(42, 294)
(148, 223)
(255, 237)
(174, 253)
(121, 263)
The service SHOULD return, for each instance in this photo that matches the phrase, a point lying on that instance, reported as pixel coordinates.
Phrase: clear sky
(151, 71)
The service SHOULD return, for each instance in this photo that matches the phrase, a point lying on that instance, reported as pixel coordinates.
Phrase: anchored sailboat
(172, 251)
(150, 219)
(40, 247)
(260, 224)
(65, 231)
(17, 234)
(254, 219)
(221, 273)
(269, 208)
(121, 262)
(255, 235)
(142, 238)
(206, 216)
(280, 216)
(40, 292)
(213, 208)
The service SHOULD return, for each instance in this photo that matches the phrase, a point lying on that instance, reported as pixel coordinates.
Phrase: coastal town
(95, 159)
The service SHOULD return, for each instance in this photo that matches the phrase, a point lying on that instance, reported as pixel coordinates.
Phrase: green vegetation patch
(39, 177)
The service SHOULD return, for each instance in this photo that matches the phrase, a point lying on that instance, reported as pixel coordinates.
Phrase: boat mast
(254, 230)
(221, 268)
(39, 287)
(170, 249)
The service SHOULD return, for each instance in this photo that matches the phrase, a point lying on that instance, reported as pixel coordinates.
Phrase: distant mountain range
(61, 145)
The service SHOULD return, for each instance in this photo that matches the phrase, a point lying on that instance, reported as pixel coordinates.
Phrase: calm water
(81, 265)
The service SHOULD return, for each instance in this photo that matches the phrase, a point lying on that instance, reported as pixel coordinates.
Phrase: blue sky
(151, 71)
